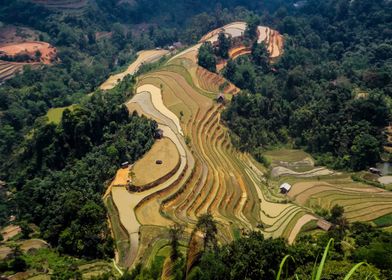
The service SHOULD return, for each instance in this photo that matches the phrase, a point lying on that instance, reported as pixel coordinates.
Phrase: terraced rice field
(48, 52)
(54, 115)
(25, 246)
(143, 57)
(213, 177)
(234, 29)
(9, 69)
(238, 51)
(273, 40)
(147, 172)
(213, 82)
(361, 202)
(96, 269)
(10, 231)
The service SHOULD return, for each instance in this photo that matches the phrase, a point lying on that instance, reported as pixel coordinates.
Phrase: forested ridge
(329, 93)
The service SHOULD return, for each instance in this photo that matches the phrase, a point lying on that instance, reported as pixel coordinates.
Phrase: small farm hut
(125, 164)
(285, 188)
(374, 171)
(324, 225)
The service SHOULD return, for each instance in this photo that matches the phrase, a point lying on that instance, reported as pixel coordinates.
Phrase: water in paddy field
(385, 168)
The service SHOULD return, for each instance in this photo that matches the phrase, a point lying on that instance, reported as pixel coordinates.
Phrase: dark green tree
(365, 151)
(17, 264)
(224, 45)
(260, 56)
(207, 225)
(175, 234)
(251, 28)
(206, 57)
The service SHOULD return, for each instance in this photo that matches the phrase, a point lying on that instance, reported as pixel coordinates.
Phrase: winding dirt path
(143, 57)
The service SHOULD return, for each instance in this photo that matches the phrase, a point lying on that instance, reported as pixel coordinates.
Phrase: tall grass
(317, 272)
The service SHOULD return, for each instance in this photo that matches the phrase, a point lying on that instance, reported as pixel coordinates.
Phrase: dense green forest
(329, 93)
(62, 171)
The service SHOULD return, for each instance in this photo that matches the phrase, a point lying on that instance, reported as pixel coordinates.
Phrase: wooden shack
(324, 225)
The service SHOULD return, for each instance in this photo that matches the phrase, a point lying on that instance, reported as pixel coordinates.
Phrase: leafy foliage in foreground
(254, 257)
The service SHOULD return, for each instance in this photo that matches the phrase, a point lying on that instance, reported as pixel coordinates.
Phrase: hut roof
(285, 186)
(324, 225)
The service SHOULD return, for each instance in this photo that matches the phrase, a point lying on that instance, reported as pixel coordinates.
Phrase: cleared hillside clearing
(47, 51)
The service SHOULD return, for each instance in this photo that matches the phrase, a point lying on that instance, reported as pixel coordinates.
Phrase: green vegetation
(60, 266)
(55, 114)
(206, 57)
(56, 176)
(254, 257)
(308, 96)
(384, 221)
(224, 44)
(64, 167)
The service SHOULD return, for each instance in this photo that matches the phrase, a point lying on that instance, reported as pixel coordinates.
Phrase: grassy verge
(54, 115)
(384, 221)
